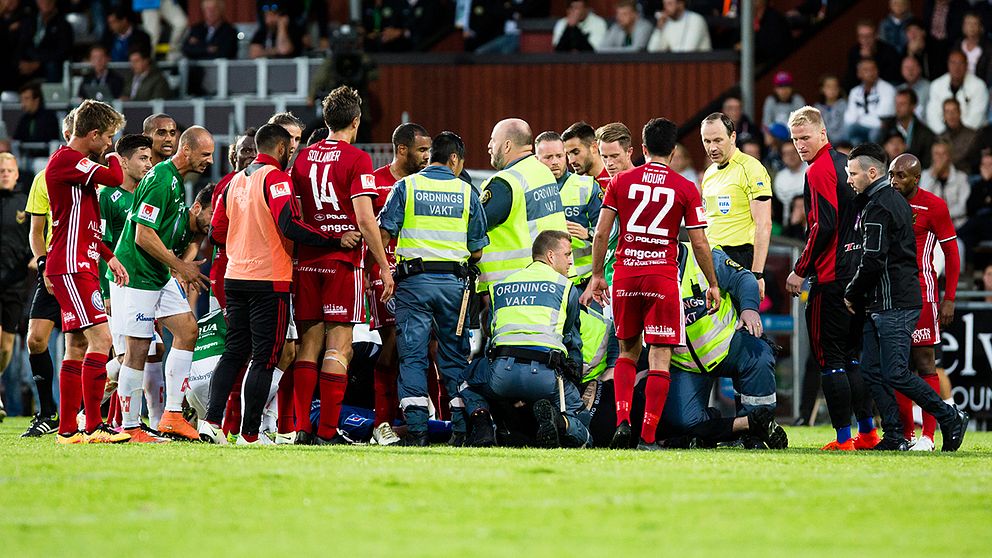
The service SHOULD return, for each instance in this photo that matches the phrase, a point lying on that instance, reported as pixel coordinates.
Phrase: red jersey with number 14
(651, 202)
(327, 176)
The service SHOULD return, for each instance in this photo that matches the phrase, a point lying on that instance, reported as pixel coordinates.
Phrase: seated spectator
(832, 105)
(679, 30)
(682, 164)
(943, 19)
(913, 79)
(12, 15)
(212, 38)
(45, 43)
(776, 136)
(402, 26)
(955, 133)
(869, 102)
(122, 35)
(789, 182)
(795, 224)
(942, 179)
(869, 46)
(581, 30)
(893, 27)
(492, 27)
(146, 82)
(37, 123)
(932, 55)
(175, 16)
(976, 48)
(754, 148)
(630, 32)
(916, 135)
(100, 82)
(771, 32)
(893, 143)
(276, 37)
(976, 229)
(972, 94)
(733, 108)
(980, 145)
(781, 102)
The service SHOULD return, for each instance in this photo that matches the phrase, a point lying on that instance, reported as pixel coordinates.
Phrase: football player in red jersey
(931, 225)
(411, 148)
(652, 202)
(582, 152)
(71, 267)
(335, 183)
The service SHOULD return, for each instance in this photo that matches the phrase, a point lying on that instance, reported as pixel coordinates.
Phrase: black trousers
(743, 254)
(256, 328)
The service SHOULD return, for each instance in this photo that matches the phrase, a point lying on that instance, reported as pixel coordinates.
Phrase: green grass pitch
(197, 500)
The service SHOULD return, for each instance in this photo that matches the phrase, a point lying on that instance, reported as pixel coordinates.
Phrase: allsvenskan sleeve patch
(280, 189)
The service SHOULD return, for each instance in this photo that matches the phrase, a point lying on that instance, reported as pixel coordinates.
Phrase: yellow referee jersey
(38, 204)
(727, 194)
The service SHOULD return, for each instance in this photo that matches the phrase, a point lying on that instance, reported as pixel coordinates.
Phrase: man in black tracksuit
(886, 288)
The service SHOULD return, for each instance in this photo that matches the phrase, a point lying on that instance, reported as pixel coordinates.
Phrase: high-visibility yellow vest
(529, 308)
(593, 328)
(536, 208)
(435, 220)
(576, 194)
(708, 338)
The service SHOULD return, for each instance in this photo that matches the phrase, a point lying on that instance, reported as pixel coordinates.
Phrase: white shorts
(291, 333)
(141, 308)
(117, 324)
(198, 394)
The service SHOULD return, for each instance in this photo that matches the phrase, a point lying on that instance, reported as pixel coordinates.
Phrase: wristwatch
(759, 274)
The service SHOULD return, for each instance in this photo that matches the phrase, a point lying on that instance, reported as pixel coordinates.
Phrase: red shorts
(927, 330)
(217, 270)
(382, 313)
(334, 293)
(79, 298)
(648, 304)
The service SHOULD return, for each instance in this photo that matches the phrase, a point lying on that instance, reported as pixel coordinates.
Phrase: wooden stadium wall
(469, 98)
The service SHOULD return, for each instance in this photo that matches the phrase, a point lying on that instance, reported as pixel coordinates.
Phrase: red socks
(285, 398)
(70, 395)
(624, 376)
(303, 385)
(386, 399)
(332, 388)
(655, 395)
(930, 423)
(906, 415)
(114, 411)
(94, 381)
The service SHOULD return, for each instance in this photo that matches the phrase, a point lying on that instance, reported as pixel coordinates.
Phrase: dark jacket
(152, 86)
(223, 43)
(15, 252)
(919, 141)
(92, 87)
(887, 277)
(41, 126)
(51, 47)
(119, 47)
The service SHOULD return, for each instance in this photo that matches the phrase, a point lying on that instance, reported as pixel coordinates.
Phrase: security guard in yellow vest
(440, 228)
(727, 343)
(535, 327)
(582, 199)
(520, 201)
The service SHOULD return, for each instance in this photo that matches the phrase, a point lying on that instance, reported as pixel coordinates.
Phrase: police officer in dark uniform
(15, 253)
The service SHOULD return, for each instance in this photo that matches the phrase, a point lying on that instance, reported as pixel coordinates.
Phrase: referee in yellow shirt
(737, 195)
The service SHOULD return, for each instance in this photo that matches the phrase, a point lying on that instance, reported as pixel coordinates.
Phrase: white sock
(113, 369)
(274, 386)
(270, 414)
(176, 375)
(154, 392)
(129, 391)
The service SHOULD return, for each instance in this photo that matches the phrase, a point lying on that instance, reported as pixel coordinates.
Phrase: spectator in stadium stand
(912, 78)
(37, 123)
(276, 36)
(402, 26)
(12, 13)
(976, 229)
(492, 27)
(892, 30)
(682, 163)
(733, 108)
(981, 145)
(916, 135)
(976, 47)
(630, 32)
(121, 35)
(957, 134)
(146, 82)
(986, 281)
(868, 45)
(970, 91)
(832, 105)
(781, 102)
(932, 55)
(175, 16)
(213, 37)
(679, 30)
(893, 143)
(580, 30)
(771, 32)
(100, 82)
(947, 182)
(45, 43)
(789, 181)
(943, 18)
(868, 103)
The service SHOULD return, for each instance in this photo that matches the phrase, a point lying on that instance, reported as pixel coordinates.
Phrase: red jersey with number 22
(651, 202)
(327, 176)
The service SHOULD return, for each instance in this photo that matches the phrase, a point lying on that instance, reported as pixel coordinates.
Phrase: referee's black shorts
(43, 304)
(834, 334)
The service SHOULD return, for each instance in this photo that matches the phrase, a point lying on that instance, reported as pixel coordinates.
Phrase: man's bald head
(194, 137)
(511, 139)
(904, 174)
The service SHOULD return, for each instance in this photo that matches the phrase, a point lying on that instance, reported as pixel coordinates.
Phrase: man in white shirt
(679, 30)
(869, 102)
(947, 182)
(579, 25)
(971, 92)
